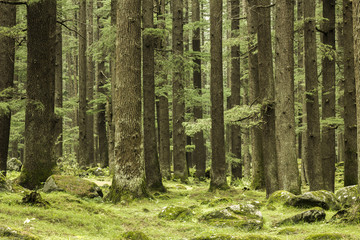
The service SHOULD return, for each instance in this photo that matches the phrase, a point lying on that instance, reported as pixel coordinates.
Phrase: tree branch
(72, 30)
(13, 2)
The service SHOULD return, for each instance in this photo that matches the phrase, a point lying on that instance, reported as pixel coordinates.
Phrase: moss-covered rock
(176, 213)
(244, 216)
(73, 185)
(324, 199)
(134, 235)
(10, 233)
(218, 201)
(14, 164)
(351, 215)
(280, 197)
(347, 196)
(229, 237)
(327, 236)
(288, 231)
(309, 216)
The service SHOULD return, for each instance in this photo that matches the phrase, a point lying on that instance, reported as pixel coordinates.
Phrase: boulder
(73, 185)
(347, 196)
(14, 164)
(176, 213)
(134, 235)
(324, 199)
(309, 216)
(350, 215)
(280, 197)
(244, 216)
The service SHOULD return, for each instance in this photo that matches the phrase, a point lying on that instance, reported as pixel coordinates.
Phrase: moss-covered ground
(72, 217)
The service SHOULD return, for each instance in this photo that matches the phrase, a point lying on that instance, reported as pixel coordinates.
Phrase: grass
(71, 217)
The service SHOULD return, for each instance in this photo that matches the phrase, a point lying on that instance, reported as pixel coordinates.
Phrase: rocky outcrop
(73, 185)
(245, 216)
(309, 216)
(347, 196)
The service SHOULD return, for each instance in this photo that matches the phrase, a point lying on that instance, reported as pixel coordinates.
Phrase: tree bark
(179, 137)
(328, 153)
(40, 161)
(266, 81)
(7, 60)
(152, 167)
(218, 162)
(289, 178)
(312, 143)
(129, 177)
(350, 138)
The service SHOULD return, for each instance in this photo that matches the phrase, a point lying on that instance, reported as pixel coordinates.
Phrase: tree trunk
(101, 118)
(218, 162)
(179, 137)
(350, 169)
(7, 59)
(236, 167)
(152, 167)
(289, 178)
(199, 154)
(266, 81)
(312, 143)
(258, 179)
(129, 177)
(328, 153)
(40, 161)
(83, 133)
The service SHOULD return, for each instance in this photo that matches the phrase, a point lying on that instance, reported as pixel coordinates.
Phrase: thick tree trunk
(312, 143)
(83, 138)
(199, 154)
(236, 167)
(7, 59)
(40, 161)
(289, 178)
(129, 177)
(218, 162)
(350, 169)
(179, 137)
(152, 167)
(266, 81)
(258, 179)
(328, 153)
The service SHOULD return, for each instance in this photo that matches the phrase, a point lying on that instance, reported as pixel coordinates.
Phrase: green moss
(11, 233)
(280, 197)
(134, 235)
(176, 213)
(327, 236)
(229, 237)
(288, 231)
(117, 195)
(219, 201)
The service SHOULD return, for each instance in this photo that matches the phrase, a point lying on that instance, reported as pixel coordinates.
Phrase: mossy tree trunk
(312, 143)
(129, 177)
(350, 139)
(152, 167)
(199, 154)
(7, 60)
(328, 153)
(289, 178)
(218, 162)
(40, 161)
(267, 92)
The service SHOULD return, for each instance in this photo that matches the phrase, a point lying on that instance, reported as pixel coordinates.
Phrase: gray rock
(324, 199)
(309, 216)
(347, 196)
(176, 213)
(14, 164)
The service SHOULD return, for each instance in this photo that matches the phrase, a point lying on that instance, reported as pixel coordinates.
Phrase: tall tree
(356, 30)
(101, 118)
(312, 142)
(40, 120)
(163, 104)
(7, 60)
(236, 167)
(129, 177)
(199, 154)
(350, 168)
(90, 80)
(254, 95)
(83, 133)
(152, 167)
(179, 137)
(266, 81)
(328, 153)
(289, 178)
(218, 162)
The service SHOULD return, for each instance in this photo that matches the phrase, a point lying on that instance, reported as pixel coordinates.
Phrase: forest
(179, 119)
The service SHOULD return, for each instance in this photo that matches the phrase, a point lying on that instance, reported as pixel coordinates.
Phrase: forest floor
(71, 217)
